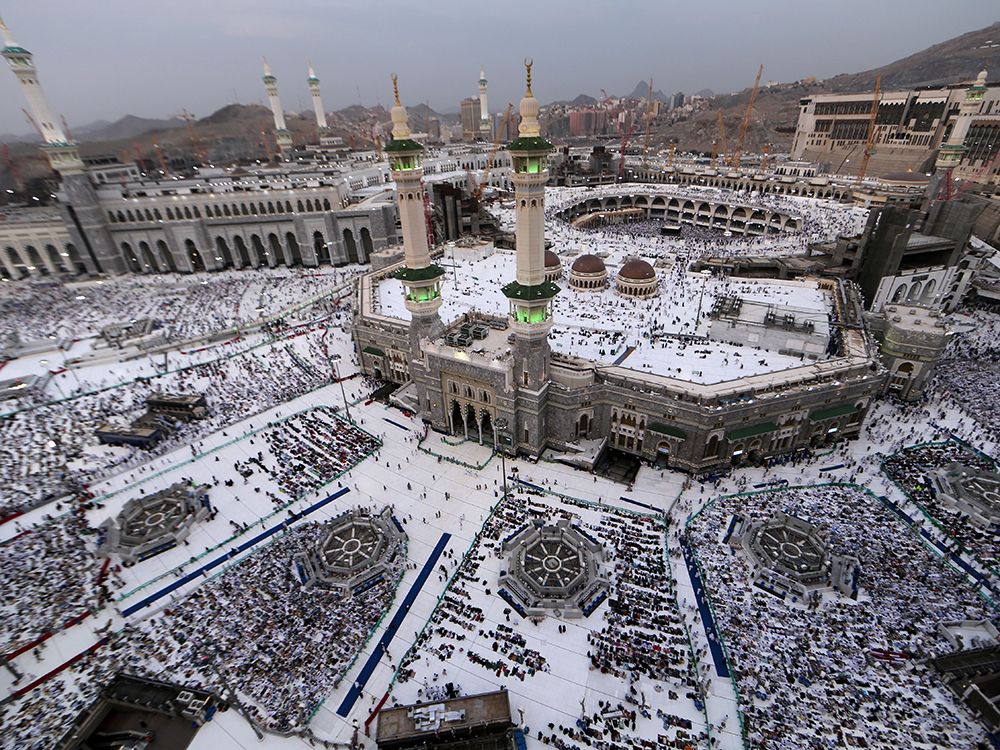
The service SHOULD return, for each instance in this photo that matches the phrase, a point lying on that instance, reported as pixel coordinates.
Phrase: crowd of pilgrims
(185, 306)
(50, 576)
(969, 372)
(211, 639)
(912, 469)
(639, 642)
(813, 676)
(820, 221)
(50, 448)
(307, 451)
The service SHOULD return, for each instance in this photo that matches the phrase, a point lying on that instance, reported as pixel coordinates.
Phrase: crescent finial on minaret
(395, 89)
(528, 62)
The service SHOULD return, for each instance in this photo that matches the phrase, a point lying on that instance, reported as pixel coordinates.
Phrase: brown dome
(551, 260)
(588, 264)
(637, 269)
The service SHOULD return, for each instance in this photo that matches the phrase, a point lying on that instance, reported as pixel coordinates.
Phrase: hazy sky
(101, 59)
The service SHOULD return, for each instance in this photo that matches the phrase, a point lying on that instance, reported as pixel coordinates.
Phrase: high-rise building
(434, 129)
(677, 101)
(470, 119)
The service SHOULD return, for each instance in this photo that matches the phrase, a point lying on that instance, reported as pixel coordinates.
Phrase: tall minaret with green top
(530, 295)
(420, 276)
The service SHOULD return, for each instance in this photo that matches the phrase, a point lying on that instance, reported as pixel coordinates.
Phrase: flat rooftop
(657, 336)
(426, 720)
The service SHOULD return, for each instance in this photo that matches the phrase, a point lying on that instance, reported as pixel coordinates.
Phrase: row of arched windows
(219, 211)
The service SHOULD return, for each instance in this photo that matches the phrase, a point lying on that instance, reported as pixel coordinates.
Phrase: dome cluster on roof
(588, 264)
(637, 269)
(588, 273)
(553, 266)
(636, 278)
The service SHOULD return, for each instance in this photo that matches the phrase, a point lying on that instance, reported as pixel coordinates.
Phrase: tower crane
(266, 141)
(738, 151)
(648, 117)
(626, 134)
(721, 141)
(870, 140)
(196, 144)
(477, 188)
(159, 155)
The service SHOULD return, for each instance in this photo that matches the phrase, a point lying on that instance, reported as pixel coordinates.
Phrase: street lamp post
(701, 298)
(343, 393)
(501, 426)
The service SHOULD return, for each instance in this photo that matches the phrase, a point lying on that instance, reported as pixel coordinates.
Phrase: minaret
(63, 155)
(530, 295)
(281, 132)
(485, 126)
(317, 104)
(85, 219)
(421, 278)
(951, 152)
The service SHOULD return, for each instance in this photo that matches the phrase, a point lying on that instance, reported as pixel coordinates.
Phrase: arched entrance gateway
(366, 243)
(223, 257)
(351, 246)
(662, 454)
(321, 248)
(166, 256)
(457, 420)
(241, 250)
(293, 249)
(196, 263)
(276, 252)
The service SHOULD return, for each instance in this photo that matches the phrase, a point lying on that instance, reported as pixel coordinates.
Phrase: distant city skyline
(101, 61)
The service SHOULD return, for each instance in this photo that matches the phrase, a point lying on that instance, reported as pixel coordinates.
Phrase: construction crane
(377, 133)
(738, 151)
(626, 134)
(8, 160)
(266, 141)
(951, 194)
(159, 155)
(870, 140)
(721, 141)
(196, 144)
(477, 188)
(648, 117)
(715, 153)
(763, 162)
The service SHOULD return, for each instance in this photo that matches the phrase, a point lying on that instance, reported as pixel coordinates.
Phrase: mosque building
(492, 375)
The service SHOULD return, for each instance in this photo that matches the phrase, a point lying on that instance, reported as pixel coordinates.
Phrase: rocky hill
(776, 110)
